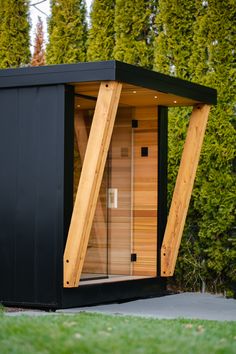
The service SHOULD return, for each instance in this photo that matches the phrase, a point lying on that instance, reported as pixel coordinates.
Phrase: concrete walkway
(185, 305)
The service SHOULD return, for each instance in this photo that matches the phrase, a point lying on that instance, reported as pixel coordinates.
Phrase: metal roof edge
(164, 83)
(57, 74)
(102, 71)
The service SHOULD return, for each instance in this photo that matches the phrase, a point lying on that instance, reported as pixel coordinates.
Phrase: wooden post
(183, 189)
(81, 134)
(90, 181)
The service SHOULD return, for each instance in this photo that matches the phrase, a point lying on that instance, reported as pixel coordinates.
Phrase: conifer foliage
(196, 41)
(175, 22)
(67, 32)
(14, 33)
(38, 58)
(213, 64)
(132, 31)
(101, 39)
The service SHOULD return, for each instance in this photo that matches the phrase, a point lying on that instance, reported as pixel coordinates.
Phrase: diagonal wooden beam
(183, 189)
(90, 181)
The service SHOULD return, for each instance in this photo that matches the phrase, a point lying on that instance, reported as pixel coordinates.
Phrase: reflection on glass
(125, 220)
(109, 247)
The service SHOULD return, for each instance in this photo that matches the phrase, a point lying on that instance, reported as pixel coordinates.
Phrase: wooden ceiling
(131, 96)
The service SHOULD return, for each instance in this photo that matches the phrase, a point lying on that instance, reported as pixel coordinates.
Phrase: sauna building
(83, 182)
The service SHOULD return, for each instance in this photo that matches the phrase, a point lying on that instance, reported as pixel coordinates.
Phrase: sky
(42, 9)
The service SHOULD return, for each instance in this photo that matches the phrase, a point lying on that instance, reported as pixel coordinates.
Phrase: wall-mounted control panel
(112, 198)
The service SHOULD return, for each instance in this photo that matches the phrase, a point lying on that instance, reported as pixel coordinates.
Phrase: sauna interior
(123, 240)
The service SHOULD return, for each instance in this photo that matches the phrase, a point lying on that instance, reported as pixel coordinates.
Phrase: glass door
(123, 239)
(120, 196)
(109, 248)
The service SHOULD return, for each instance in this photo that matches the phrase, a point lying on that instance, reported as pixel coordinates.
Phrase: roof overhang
(140, 86)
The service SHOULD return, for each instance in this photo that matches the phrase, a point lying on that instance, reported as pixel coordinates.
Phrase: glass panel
(119, 193)
(125, 220)
(95, 265)
(109, 247)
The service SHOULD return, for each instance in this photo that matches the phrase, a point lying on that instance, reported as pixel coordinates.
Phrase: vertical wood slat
(90, 181)
(145, 176)
(183, 189)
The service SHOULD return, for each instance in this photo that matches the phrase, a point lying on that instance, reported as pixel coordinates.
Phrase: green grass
(95, 333)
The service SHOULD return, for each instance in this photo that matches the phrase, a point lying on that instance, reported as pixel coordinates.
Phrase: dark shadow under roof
(102, 71)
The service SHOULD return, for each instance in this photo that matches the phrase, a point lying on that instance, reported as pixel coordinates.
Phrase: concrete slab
(185, 305)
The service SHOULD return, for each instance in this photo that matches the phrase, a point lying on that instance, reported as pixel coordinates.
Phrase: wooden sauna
(83, 208)
(123, 239)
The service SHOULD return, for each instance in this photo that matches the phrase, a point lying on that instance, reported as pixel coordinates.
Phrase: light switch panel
(112, 198)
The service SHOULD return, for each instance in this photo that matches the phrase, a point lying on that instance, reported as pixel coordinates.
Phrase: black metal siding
(58, 74)
(162, 179)
(31, 193)
(113, 292)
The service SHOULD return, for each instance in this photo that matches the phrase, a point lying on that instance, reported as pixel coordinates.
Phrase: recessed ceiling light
(175, 101)
(134, 91)
(155, 96)
(78, 105)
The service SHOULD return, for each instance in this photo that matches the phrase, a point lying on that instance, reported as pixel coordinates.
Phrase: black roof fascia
(164, 83)
(58, 74)
(102, 71)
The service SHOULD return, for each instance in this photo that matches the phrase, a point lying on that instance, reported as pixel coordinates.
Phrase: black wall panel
(8, 191)
(162, 178)
(32, 134)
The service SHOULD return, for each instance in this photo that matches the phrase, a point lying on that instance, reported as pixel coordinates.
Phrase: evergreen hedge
(14, 33)
(101, 38)
(132, 32)
(67, 32)
(196, 40)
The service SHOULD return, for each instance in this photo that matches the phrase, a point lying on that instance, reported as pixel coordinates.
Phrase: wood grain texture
(145, 192)
(183, 189)
(90, 181)
(132, 96)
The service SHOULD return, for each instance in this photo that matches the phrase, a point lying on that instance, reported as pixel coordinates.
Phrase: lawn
(95, 333)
